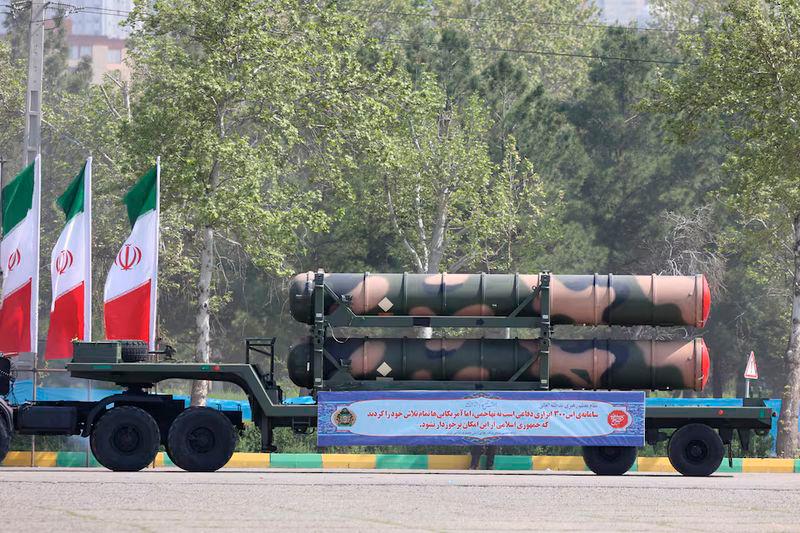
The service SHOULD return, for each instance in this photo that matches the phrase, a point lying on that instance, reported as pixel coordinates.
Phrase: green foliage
(542, 27)
(739, 78)
(636, 174)
(12, 100)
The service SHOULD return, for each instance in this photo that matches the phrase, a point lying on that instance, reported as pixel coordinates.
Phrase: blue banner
(568, 418)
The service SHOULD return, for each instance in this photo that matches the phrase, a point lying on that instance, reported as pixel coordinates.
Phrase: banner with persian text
(469, 418)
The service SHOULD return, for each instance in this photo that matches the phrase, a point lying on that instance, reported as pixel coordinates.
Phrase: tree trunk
(203, 318)
(787, 424)
(426, 332)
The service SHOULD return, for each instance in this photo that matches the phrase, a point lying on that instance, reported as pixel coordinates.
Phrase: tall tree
(12, 102)
(540, 30)
(450, 203)
(254, 106)
(742, 78)
(635, 174)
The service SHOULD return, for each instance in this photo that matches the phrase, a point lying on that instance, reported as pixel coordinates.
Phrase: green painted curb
(401, 461)
(797, 466)
(74, 459)
(634, 467)
(724, 467)
(295, 460)
(512, 462)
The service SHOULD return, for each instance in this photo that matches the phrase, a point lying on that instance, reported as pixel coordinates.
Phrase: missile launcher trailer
(127, 429)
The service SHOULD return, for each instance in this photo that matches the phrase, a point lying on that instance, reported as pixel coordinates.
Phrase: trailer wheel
(696, 450)
(133, 351)
(5, 437)
(125, 439)
(201, 440)
(609, 460)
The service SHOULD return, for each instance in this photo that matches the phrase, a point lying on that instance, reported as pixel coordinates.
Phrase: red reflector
(705, 364)
(215, 367)
(720, 412)
(706, 303)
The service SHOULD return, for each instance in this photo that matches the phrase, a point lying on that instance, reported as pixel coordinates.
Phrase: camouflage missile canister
(574, 364)
(574, 299)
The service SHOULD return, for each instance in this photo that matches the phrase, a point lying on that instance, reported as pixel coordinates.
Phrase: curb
(409, 462)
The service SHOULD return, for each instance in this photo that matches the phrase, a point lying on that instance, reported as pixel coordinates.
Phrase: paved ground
(172, 500)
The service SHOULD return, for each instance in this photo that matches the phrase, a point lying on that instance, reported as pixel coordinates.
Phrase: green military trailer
(127, 429)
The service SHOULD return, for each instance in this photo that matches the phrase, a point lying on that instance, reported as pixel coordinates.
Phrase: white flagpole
(154, 284)
(37, 201)
(87, 291)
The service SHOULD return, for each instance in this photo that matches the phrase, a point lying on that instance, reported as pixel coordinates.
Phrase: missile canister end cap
(706, 303)
(705, 364)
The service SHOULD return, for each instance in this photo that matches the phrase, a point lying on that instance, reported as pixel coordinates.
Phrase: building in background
(101, 18)
(624, 12)
(94, 31)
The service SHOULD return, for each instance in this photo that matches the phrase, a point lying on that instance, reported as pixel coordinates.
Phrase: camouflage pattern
(574, 364)
(574, 299)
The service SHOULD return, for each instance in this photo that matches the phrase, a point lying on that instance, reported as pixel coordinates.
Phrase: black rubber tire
(696, 450)
(125, 439)
(201, 439)
(5, 437)
(609, 460)
(133, 351)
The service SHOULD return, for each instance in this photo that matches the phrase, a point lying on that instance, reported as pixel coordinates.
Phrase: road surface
(85, 500)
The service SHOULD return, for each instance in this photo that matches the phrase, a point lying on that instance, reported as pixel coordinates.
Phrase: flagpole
(37, 202)
(2, 163)
(87, 209)
(154, 285)
(2, 233)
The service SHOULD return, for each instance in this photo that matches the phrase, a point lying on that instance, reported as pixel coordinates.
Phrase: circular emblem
(618, 419)
(128, 257)
(344, 417)
(64, 261)
(14, 260)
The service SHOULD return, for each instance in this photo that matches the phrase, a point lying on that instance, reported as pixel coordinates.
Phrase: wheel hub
(126, 439)
(610, 453)
(201, 440)
(696, 451)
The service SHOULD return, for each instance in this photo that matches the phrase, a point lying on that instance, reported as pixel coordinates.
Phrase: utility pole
(33, 96)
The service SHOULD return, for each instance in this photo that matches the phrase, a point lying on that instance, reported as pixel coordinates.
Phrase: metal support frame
(264, 346)
(343, 316)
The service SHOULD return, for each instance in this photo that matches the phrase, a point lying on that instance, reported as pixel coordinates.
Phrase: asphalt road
(171, 500)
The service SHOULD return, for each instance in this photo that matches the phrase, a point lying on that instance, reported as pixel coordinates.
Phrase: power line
(545, 53)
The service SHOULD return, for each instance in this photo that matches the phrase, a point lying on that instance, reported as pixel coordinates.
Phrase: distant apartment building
(94, 31)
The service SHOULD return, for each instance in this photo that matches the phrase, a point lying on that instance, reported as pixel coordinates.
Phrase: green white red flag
(19, 261)
(132, 283)
(71, 269)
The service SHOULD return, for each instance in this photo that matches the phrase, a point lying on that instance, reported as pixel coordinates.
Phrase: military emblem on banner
(344, 417)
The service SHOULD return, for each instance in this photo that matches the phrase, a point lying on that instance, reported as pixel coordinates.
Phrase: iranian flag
(131, 286)
(71, 269)
(19, 260)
